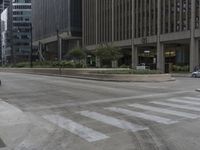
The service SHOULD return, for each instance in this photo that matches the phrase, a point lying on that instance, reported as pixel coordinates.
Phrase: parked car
(196, 74)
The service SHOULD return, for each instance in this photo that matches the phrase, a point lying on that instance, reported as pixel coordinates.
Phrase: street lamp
(59, 50)
(31, 46)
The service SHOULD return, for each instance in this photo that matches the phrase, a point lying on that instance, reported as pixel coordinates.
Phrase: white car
(196, 74)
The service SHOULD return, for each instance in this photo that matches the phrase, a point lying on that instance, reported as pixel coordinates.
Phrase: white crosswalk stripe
(192, 98)
(165, 111)
(84, 132)
(113, 121)
(149, 117)
(177, 106)
(184, 101)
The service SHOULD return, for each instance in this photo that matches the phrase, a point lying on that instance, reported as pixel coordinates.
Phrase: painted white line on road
(184, 101)
(177, 106)
(84, 132)
(109, 100)
(165, 111)
(192, 98)
(113, 121)
(154, 118)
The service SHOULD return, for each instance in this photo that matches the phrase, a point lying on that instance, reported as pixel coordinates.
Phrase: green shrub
(179, 68)
(129, 71)
(22, 65)
(124, 66)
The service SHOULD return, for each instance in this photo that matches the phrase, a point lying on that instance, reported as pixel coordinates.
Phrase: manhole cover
(2, 143)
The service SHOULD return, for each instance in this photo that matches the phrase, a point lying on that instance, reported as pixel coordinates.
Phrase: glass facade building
(3, 5)
(53, 20)
(6, 36)
(21, 29)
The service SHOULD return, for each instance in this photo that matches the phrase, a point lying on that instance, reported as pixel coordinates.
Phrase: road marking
(184, 101)
(165, 111)
(142, 115)
(109, 100)
(177, 106)
(113, 121)
(84, 132)
(192, 98)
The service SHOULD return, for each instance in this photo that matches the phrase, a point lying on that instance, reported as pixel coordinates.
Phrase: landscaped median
(120, 75)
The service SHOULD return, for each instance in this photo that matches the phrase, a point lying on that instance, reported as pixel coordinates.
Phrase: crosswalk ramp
(162, 113)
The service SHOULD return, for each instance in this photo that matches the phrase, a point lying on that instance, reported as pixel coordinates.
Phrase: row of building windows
(22, 24)
(22, 1)
(21, 18)
(112, 20)
(22, 7)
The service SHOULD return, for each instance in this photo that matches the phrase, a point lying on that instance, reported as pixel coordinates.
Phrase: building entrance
(147, 57)
(177, 58)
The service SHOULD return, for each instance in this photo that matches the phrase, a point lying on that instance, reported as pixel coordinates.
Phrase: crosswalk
(152, 112)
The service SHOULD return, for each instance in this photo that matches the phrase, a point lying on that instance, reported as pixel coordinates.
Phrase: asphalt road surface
(53, 113)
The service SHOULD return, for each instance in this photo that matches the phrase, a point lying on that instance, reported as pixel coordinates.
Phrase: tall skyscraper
(21, 29)
(6, 50)
(3, 5)
(16, 35)
(53, 20)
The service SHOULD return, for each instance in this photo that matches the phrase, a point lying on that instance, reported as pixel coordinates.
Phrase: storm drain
(2, 144)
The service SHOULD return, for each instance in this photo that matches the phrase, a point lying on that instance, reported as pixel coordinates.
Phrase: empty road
(54, 113)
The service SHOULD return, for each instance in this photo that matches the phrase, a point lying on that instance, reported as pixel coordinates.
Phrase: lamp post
(59, 50)
(31, 47)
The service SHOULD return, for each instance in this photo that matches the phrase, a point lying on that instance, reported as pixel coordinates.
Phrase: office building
(3, 5)
(53, 21)
(21, 29)
(156, 33)
(6, 36)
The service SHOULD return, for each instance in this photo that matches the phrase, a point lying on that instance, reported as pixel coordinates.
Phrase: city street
(54, 113)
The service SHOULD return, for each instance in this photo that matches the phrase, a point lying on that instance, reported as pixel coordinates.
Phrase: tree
(108, 53)
(77, 54)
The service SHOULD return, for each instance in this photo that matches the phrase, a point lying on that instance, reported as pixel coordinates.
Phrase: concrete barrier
(92, 75)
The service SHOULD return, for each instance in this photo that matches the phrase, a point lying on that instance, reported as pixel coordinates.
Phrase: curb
(78, 74)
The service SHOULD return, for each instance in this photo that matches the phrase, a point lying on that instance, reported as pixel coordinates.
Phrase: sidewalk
(181, 75)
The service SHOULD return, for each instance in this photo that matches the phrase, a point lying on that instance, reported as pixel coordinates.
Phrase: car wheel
(194, 75)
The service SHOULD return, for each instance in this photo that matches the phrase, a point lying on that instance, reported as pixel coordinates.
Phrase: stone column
(134, 52)
(194, 54)
(160, 46)
(134, 56)
(98, 62)
(160, 57)
(194, 45)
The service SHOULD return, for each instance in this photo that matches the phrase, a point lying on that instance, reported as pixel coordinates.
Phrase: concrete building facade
(154, 32)
(3, 5)
(6, 36)
(57, 27)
